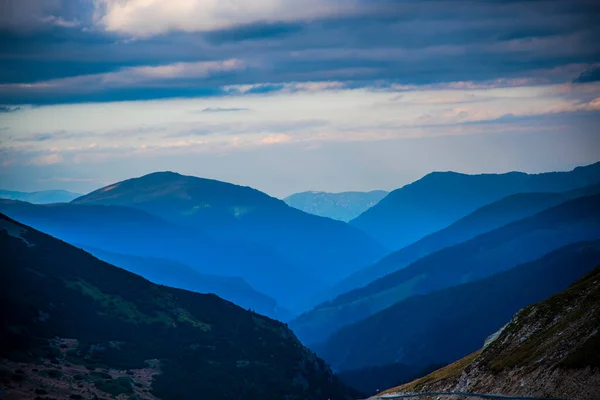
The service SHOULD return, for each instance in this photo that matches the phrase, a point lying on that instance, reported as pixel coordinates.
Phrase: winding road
(464, 394)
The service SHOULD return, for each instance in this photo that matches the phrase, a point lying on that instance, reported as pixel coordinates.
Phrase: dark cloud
(408, 41)
(590, 75)
(260, 31)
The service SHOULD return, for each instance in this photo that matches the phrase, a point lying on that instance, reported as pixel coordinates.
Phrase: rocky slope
(549, 349)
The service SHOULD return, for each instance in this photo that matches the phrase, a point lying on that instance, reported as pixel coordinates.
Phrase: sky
(288, 96)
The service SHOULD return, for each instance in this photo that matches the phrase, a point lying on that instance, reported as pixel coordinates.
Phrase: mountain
(440, 198)
(323, 247)
(75, 327)
(487, 254)
(174, 274)
(487, 218)
(343, 206)
(442, 326)
(42, 197)
(548, 350)
(129, 231)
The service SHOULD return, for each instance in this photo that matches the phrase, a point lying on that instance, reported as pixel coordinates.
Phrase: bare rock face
(549, 349)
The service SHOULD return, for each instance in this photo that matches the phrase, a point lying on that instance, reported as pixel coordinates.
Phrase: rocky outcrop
(549, 350)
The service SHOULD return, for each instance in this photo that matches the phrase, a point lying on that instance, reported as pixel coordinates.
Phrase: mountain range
(325, 248)
(484, 219)
(343, 206)
(484, 255)
(415, 331)
(75, 327)
(41, 197)
(127, 231)
(163, 287)
(175, 274)
(440, 198)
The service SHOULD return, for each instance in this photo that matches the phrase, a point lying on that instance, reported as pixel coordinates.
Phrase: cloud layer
(331, 92)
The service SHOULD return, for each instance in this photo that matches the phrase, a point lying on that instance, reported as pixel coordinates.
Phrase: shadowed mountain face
(443, 326)
(42, 197)
(487, 218)
(80, 326)
(133, 232)
(549, 350)
(174, 274)
(499, 250)
(330, 249)
(341, 206)
(440, 198)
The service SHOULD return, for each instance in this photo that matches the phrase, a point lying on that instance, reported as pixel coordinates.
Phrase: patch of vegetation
(116, 305)
(115, 387)
(450, 371)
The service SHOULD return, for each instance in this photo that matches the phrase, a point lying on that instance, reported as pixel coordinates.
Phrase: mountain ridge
(484, 219)
(489, 253)
(440, 198)
(40, 197)
(331, 249)
(79, 326)
(415, 331)
(131, 231)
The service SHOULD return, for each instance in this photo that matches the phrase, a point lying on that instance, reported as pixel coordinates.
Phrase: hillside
(177, 275)
(41, 197)
(129, 231)
(343, 206)
(487, 254)
(440, 198)
(76, 327)
(487, 218)
(417, 331)
(549, 349)
(324, 247)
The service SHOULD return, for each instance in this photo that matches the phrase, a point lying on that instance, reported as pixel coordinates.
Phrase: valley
(372, 318)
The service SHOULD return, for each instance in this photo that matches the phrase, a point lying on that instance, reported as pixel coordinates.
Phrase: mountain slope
(489, 217)
(177, 275)
(499, 250)
(440, 198)
(129, 231)
(330, 249)
(41, 197)
(440, 327)
(549, 349)
(75, 326)
(343, 206)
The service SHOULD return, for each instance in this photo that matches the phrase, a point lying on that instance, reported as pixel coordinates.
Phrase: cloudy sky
(287, 95)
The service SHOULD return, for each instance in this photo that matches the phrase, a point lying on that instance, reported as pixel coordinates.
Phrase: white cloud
(151, 17)
(131, 76)
(61, 22)
(49, 159)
